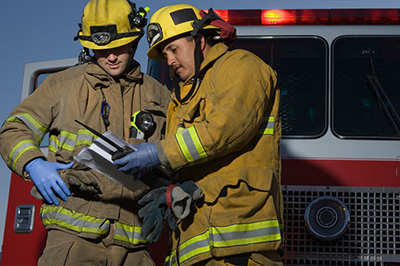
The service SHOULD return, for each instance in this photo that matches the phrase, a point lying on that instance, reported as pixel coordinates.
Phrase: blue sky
(41, 30)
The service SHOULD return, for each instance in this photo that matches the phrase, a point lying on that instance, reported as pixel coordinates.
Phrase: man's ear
(202, 41)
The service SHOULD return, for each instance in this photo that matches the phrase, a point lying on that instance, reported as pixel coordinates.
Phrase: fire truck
(339, 78)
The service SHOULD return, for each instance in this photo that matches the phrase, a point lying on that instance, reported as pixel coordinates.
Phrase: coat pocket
(256, 178)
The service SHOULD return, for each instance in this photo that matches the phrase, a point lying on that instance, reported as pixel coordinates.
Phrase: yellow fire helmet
(108, 24)
(169, 22)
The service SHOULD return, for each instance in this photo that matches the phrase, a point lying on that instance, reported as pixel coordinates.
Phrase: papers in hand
(98, 157)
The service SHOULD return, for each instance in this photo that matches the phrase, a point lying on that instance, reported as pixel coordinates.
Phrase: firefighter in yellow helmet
(92, 220)
(223, 140)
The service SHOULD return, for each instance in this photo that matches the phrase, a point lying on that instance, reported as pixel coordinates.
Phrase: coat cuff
(161, 155)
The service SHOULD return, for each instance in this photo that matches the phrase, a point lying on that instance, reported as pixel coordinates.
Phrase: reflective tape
(19, 150)
(35, 126)
(190, 145)
(83, 223)
(73, 220)
(267, 126)
(68, 141)
(129, 234)
(85, 138)
(225, 237)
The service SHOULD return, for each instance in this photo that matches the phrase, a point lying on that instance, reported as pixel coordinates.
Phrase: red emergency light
(281, 17)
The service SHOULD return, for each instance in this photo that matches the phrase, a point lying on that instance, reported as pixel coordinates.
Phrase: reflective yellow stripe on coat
(225, 237)
(35, 126)
(267, 126)
(19, 150)
(38, 130)
(191, 146)
(83, 223)
(67, 140)
(193, 150)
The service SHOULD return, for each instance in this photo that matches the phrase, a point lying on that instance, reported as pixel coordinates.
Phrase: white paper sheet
(98, 157)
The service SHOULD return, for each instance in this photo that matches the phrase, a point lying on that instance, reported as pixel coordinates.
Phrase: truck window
(38, 79)
(301, 65)
(366, 87)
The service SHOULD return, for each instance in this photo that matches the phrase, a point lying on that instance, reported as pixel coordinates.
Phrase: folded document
(98, 157)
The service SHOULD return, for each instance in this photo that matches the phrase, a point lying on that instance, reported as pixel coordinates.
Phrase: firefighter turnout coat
(226, 138)
(77, 93)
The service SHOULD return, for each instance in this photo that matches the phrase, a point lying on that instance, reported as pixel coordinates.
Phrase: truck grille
(373, 235)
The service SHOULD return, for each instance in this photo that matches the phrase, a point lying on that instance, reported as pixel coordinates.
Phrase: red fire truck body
(338, 72)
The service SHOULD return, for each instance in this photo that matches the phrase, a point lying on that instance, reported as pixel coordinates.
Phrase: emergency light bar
(282, 17)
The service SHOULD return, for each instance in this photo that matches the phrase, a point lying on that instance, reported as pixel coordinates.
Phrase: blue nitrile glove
(140, 162)
(154, 215)
(47, 180)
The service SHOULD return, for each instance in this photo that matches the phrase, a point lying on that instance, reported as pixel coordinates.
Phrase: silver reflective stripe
(200, 245)
(227, 236)
(221, 239)
(39, 132)
(20, 149)
(53, 144)
(190, 145)
(267, 126)
(74, 221)
(84, 223)
(129, 234)
(85, 138)
(67, 141)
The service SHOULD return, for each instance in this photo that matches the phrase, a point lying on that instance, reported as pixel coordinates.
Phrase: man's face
(180, 56)
(114, 61)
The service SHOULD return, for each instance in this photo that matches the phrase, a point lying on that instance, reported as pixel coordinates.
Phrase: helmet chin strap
(196, 74)
(228, 31)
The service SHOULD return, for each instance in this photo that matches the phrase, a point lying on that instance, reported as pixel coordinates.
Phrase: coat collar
(213, 54)
(97, 77)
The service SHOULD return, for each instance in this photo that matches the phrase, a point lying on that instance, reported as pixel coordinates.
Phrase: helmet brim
(113, 44)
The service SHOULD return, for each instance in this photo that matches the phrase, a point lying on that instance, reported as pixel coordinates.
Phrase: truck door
(24, 234)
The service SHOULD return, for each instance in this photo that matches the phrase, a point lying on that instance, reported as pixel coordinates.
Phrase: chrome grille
(373, 236)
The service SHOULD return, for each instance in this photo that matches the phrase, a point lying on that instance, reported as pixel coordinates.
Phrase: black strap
(240, 260)
(197, 25)
(113, 36)
(206, 19)
(196, 74)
